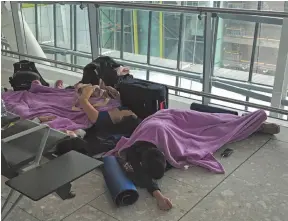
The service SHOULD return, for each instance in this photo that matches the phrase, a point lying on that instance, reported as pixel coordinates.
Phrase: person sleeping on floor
(173, 138)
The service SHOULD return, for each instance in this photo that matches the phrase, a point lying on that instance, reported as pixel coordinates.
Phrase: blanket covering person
(45, 101)
(189, 137)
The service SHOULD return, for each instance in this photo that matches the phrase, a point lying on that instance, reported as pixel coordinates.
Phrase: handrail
(189, 9)
(202, 94)
(172, 8)
(42, 59)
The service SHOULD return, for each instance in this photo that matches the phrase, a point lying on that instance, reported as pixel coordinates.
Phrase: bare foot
(269, 128)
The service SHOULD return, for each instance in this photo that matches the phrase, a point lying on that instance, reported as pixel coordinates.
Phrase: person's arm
(152, 187)
(87, 107)
(104, 103)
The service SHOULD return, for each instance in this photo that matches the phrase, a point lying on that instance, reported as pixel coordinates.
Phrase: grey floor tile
(283, 135)
(89, 213)
(201, 178)
(53, 208)
(17, 214)
(256, 191)
(183, 198)
(98, 172)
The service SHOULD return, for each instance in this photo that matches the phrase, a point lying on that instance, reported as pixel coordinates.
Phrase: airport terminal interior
(228, 58)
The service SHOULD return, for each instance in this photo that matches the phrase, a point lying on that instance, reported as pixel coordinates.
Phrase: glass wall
(62, 31)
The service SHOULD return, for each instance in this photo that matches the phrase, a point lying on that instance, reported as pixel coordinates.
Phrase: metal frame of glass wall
(207, 78)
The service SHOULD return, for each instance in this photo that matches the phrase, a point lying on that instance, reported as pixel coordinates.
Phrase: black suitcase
(144, 98)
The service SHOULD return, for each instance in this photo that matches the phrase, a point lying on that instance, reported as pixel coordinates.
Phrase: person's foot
(269, 128)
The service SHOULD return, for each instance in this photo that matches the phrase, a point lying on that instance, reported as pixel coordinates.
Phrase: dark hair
(153, 161)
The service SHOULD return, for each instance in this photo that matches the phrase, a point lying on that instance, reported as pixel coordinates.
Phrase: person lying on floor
(181, 138)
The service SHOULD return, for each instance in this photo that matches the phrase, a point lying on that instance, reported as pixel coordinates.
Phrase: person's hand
(44, 119)
(164, 203)
(87, 91)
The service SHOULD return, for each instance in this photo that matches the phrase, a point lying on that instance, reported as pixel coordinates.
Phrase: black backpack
(103, 68)
(24, 73)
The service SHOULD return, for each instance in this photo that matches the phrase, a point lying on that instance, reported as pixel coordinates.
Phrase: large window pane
(45, 24)
(233, 49)
(28, 11)
(164, 39)
(266, 54)
(82, 30)
(136, 35)
(64, 26)
(192, 50)
(110, 25)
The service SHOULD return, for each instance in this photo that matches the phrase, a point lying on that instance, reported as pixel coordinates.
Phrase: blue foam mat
(122, 190)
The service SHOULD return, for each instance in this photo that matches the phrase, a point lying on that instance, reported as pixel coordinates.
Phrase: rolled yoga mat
(122, 190)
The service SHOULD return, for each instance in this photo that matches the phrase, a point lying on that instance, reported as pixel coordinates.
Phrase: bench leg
(13, 206)
(64, 192)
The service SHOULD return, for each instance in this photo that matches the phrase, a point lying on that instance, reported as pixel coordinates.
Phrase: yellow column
(161, 33)
(135, 32)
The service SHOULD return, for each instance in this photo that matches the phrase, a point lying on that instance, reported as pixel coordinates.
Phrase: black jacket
(134, 170)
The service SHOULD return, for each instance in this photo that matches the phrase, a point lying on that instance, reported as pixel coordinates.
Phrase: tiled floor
(255, 187)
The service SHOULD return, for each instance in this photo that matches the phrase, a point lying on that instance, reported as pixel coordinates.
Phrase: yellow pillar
(135, 32)
(161, 33)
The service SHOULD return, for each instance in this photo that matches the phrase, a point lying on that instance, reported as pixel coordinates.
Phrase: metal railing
(198, 93)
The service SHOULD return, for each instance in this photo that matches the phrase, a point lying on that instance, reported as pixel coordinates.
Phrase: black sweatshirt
(134, 170)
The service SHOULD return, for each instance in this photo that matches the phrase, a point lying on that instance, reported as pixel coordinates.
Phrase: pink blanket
(191, 137)
(46, 101)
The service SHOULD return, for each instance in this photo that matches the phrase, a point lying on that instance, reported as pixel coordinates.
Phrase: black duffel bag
(24, 73)
(144, 98)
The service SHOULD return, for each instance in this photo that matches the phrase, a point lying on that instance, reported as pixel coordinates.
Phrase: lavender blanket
(190, 137)
(45, 101)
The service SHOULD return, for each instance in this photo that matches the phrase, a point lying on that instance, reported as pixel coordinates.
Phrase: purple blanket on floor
(191, 137)
(46, 101)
